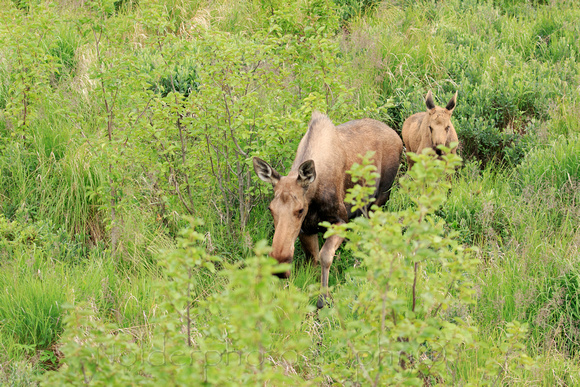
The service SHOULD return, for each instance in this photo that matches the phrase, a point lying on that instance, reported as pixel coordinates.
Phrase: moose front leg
(310, 246)
(326, 258)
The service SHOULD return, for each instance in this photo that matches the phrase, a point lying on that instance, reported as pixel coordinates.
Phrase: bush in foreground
(402, 316)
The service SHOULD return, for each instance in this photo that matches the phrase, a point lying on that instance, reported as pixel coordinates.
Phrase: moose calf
(430, 129)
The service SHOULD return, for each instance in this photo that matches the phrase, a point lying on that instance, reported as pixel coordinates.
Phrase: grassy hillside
(121, 122)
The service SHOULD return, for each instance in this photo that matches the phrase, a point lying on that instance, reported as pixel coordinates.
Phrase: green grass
(37, 287)
(52, 180)
(525, 224)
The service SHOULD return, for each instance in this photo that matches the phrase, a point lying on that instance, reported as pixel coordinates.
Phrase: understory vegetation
(134, 233)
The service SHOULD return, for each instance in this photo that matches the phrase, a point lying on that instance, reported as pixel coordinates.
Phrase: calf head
(289, 206)
(437, 123)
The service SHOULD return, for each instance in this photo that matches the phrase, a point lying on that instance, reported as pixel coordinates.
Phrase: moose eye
(447, 129)
(300, 212)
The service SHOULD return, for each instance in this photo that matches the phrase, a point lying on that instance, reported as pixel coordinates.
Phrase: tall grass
(556, 165)
(36, 286)
(53, 177)
(525, 224)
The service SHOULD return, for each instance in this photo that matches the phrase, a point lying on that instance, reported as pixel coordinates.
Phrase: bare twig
(415, 286)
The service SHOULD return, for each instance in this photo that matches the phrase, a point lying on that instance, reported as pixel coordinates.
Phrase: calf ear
(265, 171)
(429, 101)
(306, 173)
(451, 104)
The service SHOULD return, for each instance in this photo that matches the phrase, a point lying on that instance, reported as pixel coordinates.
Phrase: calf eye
(447, 129)
(299, 212)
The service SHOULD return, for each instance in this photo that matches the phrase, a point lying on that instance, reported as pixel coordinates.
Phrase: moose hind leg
(326, 258)
(385, 185)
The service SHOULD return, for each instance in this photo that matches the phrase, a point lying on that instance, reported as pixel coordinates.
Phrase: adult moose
(314, 189)
(430, 129)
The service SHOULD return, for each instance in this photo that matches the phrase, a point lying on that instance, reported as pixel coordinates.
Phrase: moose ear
(451, 104)
(306, 173)
(429, 101)
(265, 171)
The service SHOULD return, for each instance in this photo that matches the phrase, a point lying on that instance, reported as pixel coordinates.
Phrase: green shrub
(389, 312)
(402, 317)
(243, 331)
(183, 80)
(485, 143)
(355, 8)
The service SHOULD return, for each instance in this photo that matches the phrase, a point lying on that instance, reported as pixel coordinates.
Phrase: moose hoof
(323, 300)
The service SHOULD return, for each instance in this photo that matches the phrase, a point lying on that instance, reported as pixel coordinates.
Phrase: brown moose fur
(431, 128)
(314, 189)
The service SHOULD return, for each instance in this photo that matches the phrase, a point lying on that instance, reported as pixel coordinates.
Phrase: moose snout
(283, 275)
(281, 260)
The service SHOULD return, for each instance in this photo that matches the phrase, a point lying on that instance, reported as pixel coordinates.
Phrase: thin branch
(415, 286)
(142, 112)
(446, 294)
(230, 126)
(183, 160)
(188, 309)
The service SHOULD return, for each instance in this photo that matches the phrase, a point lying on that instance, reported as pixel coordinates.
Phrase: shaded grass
(550, 369)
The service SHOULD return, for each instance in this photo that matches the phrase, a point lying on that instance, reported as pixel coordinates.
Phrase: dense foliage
(122, 122)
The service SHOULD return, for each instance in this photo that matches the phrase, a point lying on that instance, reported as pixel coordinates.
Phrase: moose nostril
(439, 152)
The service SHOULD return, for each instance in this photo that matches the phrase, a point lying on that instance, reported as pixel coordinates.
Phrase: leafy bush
(394, 312)
(183, 80)
(487, 144)
(355, 8)
(244, 331)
